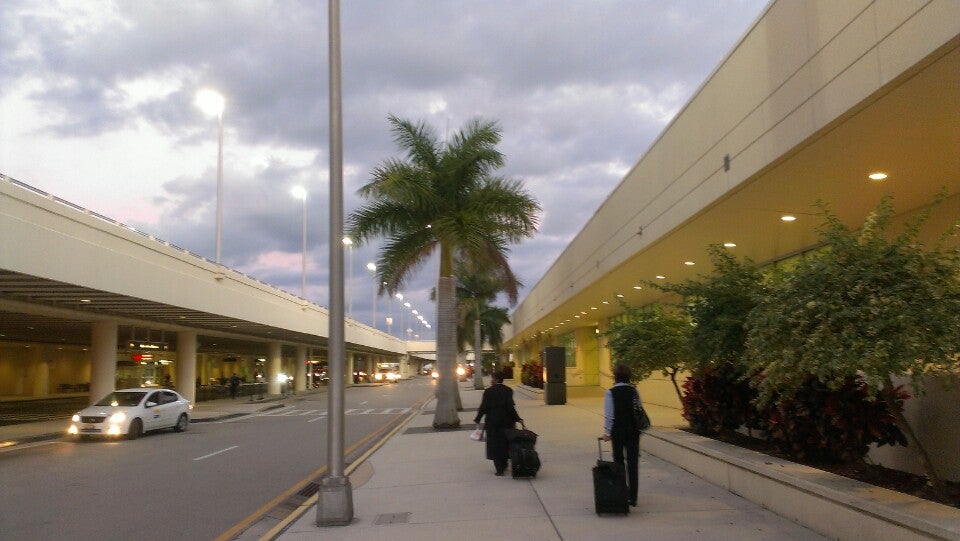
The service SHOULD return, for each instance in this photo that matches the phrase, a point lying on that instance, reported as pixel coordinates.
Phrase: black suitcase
(610, 494)
(524, 460)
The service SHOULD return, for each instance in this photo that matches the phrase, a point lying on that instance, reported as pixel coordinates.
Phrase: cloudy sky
(97, 107)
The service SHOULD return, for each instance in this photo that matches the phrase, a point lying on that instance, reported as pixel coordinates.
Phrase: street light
(405, 305)
(399, 297)
(212, 103)
(348, 242)
(372, 267)
(301, 193)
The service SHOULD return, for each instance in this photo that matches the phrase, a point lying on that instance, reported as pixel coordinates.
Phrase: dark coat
(501, 413)
(624, 423)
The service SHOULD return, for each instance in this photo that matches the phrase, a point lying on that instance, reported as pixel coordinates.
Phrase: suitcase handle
(600, 448)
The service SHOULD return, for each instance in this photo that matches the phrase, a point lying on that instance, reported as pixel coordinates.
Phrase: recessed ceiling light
(577, 316)
(788, 218)
(593, 307)
(605, 302)
(661, 277)
(729, 245)
(583, 313)
(84, 300)
(619, 295)
(877, 176)
(689, 263)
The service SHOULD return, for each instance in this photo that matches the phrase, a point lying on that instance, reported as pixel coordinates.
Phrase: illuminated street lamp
(301, 193)
(372, 267)
(348, 242)
(212, 103)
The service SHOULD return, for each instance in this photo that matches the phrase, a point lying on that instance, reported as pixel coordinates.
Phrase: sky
(97, 107)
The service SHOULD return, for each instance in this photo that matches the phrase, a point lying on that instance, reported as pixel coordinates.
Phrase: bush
(716, 400)
(532, 375)
(833, 426)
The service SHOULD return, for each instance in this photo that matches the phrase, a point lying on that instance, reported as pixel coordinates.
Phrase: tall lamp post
(212, 103)
(348, 242)
(335, 494)
(399, 297)
(301, 193)
(372, 267)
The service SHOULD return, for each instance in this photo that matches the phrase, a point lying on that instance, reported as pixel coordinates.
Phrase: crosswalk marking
(318, 413)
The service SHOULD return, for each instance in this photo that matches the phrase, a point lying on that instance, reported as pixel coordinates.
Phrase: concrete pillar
(187, 364)
(103, 359)
(273, 368)
(300, 376)
(348, 368)
(41, 375)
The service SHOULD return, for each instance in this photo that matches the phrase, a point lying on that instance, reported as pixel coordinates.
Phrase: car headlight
(461, 371)
(379, 376)
(435, 374)
(75, 418)
(117, 418)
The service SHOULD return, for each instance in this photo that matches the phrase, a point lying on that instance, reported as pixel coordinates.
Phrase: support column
(273, 368)
(41, 375)
(103, 359)
(348, 368)
(300, 376)
(187, 364)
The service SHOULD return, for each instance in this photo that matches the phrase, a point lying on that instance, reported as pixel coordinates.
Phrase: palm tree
(442, 198)
(477, 288)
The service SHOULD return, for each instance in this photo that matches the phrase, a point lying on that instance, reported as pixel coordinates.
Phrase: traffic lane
(195, 484)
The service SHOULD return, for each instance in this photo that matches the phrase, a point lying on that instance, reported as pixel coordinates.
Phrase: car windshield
(121, 399)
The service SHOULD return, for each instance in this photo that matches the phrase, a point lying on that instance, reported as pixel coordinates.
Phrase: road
(193, 485)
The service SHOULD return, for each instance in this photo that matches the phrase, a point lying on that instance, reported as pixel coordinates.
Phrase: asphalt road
(193, 485)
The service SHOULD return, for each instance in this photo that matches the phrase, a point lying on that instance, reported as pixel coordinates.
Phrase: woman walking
(621, 426)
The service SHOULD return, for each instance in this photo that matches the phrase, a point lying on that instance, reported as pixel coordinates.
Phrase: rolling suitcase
(524, 460)
(610, 494)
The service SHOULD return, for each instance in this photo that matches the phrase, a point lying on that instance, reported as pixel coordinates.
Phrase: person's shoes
(499, 474)
(633, 503)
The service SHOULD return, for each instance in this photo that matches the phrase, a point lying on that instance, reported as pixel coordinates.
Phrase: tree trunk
(477, 353)
(933, 480)
(446, 412)
(673, 379)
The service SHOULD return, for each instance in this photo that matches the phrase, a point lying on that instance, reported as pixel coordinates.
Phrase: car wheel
(182, 423)
(136, 429)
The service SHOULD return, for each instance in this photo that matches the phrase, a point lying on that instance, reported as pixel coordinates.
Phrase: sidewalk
(423, 485)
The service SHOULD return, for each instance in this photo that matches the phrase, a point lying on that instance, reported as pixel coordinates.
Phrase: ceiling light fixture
(877, 176)
(689, 263)
(788, 218)
(619, 295)
(729, 245)
(638, 288)
(661, 277)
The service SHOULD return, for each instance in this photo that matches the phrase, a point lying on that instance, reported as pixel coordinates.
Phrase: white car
(131, 412)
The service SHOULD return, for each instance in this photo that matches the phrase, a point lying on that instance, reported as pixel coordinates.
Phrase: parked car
(131, 413)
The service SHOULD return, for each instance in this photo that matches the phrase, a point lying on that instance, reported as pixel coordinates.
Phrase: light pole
(301, 193)
(348, 242)
(402, 318)
(335, 494)
(212, 103)
(372, 267)
(399, 297)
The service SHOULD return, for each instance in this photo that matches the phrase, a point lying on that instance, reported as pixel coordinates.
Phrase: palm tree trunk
(446, 412)
(477, 353)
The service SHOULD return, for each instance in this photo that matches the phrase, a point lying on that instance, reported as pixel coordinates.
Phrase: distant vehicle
(131, 413)
(387, 376)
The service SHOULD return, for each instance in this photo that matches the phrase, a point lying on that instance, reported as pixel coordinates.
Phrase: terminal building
(815, 97)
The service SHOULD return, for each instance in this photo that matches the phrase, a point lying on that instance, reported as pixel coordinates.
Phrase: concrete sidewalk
(424, 485)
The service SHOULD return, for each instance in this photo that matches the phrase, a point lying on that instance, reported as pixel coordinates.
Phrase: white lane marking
(320, 418)
(307, 412)
(216, 453)
(7, 449)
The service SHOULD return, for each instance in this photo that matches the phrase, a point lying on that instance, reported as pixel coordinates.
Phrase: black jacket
(497, 404)
(624, 424)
